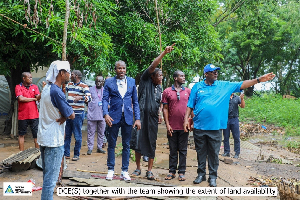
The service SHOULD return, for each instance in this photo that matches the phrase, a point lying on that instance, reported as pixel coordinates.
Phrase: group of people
(118, 104)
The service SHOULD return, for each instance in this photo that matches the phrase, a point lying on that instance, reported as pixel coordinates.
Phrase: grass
(273, 109)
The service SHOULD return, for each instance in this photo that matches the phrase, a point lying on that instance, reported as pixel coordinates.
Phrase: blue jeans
(74, 126)
(233, 125)
(112, 138)
(51, 161)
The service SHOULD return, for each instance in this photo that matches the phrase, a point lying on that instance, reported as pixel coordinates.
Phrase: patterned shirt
(78, 89)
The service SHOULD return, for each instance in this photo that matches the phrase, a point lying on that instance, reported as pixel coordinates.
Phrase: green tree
(256, 39)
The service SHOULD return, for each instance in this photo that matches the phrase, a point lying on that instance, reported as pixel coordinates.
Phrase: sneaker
(125, 176)
(100, 151)
(89, 152)
(226, 154)
(110, 175)
(236, 156)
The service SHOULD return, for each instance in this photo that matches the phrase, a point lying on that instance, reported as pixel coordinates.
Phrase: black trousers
(207, 145)
(178, 145)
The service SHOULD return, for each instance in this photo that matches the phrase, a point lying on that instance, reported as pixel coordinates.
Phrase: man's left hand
(266, 77)
(242, 96)
(61, 120)
(77, 98)
(137, 124)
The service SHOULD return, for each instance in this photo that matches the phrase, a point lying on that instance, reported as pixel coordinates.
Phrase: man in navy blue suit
(121, 95)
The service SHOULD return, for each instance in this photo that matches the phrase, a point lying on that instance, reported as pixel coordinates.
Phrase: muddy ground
(259, 164)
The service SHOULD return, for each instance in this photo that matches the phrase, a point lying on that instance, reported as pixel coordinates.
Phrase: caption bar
(167, 191)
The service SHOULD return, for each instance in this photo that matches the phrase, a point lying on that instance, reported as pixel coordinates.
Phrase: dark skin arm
(186, 125)
(264, 78)
(166, 117)
(62, 119)
(38, 97)
(25, 99)
(157, 60)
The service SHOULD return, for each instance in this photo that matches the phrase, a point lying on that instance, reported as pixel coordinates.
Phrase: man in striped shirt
(78, 93)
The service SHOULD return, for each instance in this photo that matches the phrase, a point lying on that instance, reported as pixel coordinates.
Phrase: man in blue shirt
(209, 99)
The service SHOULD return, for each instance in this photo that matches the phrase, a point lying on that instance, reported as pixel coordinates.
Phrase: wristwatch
(257, 80)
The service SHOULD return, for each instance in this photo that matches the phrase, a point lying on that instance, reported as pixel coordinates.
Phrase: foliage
(187, 23)
(257, 39)
(273, 109)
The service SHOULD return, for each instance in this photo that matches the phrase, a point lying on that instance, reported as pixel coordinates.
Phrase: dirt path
(236, 174)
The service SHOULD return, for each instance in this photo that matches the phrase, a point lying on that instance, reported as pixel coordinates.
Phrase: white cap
(54, 69)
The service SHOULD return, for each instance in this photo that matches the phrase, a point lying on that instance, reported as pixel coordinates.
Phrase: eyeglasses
(214, 72)
(178, 96)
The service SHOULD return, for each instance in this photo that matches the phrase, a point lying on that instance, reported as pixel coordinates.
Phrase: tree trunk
(64, 48)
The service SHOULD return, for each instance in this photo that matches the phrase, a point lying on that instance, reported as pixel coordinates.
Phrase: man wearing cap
(54, 111)
(209, 99)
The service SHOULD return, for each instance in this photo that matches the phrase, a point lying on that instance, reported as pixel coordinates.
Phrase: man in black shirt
(233, 125)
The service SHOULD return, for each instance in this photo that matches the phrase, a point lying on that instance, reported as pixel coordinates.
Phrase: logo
(17, 189)
(9, 190)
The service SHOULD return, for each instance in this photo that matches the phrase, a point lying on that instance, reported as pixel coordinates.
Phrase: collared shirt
(95, 111)
(122, 87)
(53, 105)
(79, 89)
(177, 108)
(211, 102)
(27, 110)
(234, 106)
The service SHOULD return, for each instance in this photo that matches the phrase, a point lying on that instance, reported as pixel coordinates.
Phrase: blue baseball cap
(210, 68)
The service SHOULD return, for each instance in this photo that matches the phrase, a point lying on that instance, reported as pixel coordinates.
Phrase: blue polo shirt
(211, 102)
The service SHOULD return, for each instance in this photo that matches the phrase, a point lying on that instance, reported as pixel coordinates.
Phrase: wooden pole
(159, 33)
(64, 47)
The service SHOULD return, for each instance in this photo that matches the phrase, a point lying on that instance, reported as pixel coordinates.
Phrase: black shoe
(199, 179)
(100, 151)
(145, 158)
(89, 152)
(226, 154)
(236, 156)
(212, 182)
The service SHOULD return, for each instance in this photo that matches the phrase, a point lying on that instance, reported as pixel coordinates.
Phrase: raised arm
(264, 78)
(157, 60)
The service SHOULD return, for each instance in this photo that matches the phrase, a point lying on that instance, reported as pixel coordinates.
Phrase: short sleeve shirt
(27, 110)
(234, 106)
(177, 107)
(53, 105)
(210, 103)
